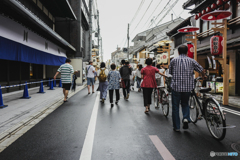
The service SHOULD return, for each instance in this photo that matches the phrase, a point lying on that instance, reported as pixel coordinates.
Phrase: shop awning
(11, 50)
(60, 8)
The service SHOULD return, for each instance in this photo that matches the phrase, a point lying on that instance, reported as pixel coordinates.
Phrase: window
(39, 4)
(45, 10)
(204, 26)
(25, 36)
(50, 16)
(46, 45)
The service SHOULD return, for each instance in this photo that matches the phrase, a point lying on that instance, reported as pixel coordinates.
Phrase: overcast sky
(116, 14)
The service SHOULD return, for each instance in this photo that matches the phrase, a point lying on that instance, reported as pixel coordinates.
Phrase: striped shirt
(66, 70)
(182, 70)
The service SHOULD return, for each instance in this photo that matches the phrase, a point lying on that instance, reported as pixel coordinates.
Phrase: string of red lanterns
(221, 4)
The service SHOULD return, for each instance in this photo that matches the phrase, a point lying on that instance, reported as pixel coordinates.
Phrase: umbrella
(188, 29)
(216, 15)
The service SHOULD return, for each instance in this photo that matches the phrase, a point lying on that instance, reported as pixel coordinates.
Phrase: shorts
(90, 81)
(67, 86)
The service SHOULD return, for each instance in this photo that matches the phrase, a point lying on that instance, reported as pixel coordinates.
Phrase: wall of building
(78, 66)
(232, 71)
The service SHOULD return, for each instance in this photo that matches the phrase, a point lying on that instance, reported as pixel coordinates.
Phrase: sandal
(147, 110)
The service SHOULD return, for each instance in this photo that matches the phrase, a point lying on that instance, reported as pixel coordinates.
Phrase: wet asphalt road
(122, 133)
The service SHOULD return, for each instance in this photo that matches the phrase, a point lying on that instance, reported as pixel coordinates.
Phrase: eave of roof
(60, 8)
(41, 24)
(186, 22)
(203, 5)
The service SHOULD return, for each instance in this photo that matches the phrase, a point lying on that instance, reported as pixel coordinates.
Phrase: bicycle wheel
(215, 119)
(193, 107)
(156, 99)
(165, 104)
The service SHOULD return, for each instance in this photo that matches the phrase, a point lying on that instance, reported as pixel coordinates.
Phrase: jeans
(127, 84)
(176, 98)
(139, 82)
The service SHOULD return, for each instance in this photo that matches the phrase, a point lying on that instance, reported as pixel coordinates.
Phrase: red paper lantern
(199, 14)
(208, 9)
(203, 12)
(196, 17)
(190, 50)
(219, 2)
(213, 6)
(216, 45)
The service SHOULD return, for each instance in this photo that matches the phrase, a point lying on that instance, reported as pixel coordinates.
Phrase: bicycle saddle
(204, 90)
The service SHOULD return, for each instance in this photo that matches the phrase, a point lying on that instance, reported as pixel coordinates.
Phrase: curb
(11, 135)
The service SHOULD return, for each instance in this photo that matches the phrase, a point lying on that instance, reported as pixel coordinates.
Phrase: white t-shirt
(90, 73)
(106, 72)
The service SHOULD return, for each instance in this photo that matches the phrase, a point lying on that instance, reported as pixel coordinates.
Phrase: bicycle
(210, 109)
(161, 96)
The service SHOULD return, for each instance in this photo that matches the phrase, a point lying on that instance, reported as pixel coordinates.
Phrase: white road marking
(166, 155)
(88, 142)
(231, 111)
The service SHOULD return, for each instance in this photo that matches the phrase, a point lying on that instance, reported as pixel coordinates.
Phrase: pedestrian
(162, 80)
(95, 75)
(139, 77)
(66, 70)
(132, 80)
(125, 72)
(149, 82)
(182, 70)
(103, 82)
(113, 84)
(90, 76)
(74, 78)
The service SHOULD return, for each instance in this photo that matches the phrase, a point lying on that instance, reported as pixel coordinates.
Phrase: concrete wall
(77, 64)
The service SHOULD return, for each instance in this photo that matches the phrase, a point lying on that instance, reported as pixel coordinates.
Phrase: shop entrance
(238, 73)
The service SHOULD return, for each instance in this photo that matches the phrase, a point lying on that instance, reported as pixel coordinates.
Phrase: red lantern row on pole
(216, 45)
(213, 7)
(190, 50)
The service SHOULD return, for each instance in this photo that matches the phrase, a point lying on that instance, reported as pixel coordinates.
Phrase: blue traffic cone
(49, 82)
(51, 85)
(25, 92)
(60, 83)
(1, 99)
(54, 83)
(41, 90)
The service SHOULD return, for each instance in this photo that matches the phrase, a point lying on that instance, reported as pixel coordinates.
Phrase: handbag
(122, 84)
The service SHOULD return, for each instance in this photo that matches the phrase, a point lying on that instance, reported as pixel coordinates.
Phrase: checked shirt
(182, 70)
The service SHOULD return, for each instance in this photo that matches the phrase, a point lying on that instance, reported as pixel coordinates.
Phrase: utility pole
(90, 29)
(98, 31)
(128, 43)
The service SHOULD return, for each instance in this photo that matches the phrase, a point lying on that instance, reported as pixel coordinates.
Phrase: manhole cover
(236, 147)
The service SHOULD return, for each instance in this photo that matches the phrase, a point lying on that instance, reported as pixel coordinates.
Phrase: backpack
(102, 76)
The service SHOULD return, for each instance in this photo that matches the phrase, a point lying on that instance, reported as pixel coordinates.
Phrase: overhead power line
(140, 6)
(152, 13)
(143, 16)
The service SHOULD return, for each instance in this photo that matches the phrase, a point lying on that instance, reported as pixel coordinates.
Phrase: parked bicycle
(161, 95)
(210, 110)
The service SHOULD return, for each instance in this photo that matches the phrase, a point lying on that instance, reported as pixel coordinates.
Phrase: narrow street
(121, 132)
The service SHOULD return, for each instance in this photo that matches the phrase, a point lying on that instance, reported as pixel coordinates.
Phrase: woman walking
(139, 77)
(149, 82)
(103, 82)
(162, 70)
(113, 79)
(74, 77)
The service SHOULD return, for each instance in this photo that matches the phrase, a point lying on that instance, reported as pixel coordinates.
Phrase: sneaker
(112, 104)
(116, 102)
(185, 124)
(127, 96)
(103, 100)
(176, 130)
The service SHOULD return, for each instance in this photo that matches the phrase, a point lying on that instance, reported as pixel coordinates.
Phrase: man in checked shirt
(182, 70)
